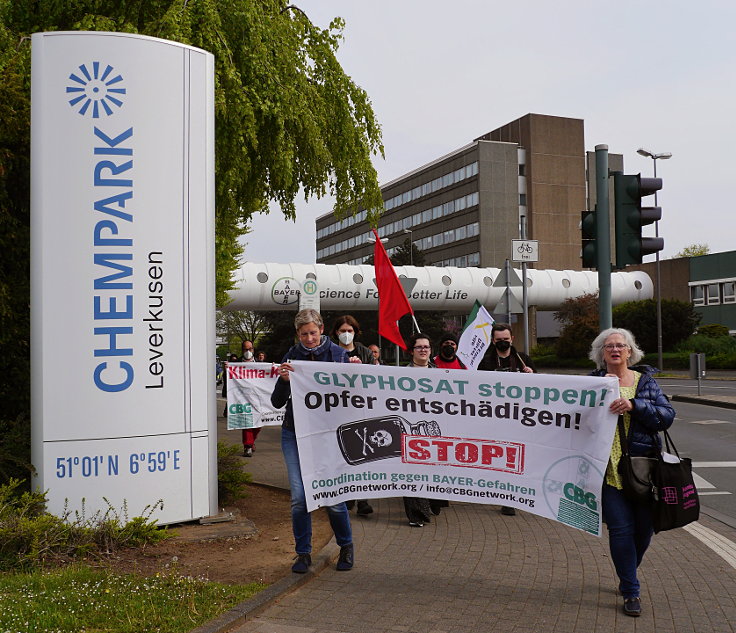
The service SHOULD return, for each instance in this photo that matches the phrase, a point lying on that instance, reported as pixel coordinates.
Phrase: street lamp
(655, 158)
(411, 246)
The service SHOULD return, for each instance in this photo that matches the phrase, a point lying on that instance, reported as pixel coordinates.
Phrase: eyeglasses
(422, 348)
(612, 346)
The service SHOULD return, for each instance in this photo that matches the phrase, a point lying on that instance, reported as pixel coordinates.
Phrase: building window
(714, 294)
(729, 292)
(522, 199)
(696, 295)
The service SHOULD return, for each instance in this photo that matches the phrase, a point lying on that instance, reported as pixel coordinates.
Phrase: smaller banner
(476, 337)
(537, 442)
(249, 389)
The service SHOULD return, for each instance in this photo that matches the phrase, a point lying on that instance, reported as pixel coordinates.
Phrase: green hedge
(671, 361)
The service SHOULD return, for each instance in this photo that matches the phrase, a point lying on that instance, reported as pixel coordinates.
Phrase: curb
(724, 404)
(250, 608)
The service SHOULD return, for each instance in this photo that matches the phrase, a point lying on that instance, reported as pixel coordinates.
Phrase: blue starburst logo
(95, 93)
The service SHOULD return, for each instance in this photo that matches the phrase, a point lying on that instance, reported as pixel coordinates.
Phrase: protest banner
(531, 441)
(249, 388)
(476, 337)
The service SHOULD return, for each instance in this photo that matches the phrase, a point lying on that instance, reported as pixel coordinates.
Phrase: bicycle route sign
(525, 250)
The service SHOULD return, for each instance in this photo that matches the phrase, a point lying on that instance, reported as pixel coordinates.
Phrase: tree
(679, 321)
(287, 120)
(694, 250)
(241, 325)
(580, 325)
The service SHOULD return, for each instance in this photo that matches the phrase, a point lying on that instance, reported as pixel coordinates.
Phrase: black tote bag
(676, 501)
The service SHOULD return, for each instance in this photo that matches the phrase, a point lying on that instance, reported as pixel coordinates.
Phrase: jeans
(629, 534)
(301, 520)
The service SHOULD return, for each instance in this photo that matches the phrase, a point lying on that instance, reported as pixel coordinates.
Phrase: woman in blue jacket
(312, 345)
(646, 411)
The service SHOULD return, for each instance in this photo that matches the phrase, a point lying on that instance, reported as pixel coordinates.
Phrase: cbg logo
(567, 483)
(578, 495)
(96, 91)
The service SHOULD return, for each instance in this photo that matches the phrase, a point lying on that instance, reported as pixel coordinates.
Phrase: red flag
(392, 301)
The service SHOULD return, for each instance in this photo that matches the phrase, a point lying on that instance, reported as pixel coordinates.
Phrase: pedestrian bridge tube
(344, 287)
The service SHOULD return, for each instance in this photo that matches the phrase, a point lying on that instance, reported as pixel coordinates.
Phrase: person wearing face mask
(247, 352)
(503, 356)
(447, 358)
(344, 331)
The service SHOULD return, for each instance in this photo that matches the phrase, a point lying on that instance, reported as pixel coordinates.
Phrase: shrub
(231, 478)
(579, 317)
(679, 321)
(708, 345)
(30, 537)
(713, 330)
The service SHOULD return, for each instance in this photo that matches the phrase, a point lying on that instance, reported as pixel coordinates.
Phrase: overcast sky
(656, 74)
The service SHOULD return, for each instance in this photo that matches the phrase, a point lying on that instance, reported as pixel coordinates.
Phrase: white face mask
(346, 337)
(248, 354)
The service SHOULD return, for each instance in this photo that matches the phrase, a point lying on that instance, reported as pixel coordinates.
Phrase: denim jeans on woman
(629, 534)
(301, 520)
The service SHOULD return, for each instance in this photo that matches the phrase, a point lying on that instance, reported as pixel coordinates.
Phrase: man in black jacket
(503, 356)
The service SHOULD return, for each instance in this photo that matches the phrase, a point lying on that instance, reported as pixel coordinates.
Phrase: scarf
(314, 352)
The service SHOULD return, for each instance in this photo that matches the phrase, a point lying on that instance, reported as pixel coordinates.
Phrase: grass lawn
(81, 600)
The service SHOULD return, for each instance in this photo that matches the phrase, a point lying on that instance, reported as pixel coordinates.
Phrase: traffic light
(589, 252)
(628, 190)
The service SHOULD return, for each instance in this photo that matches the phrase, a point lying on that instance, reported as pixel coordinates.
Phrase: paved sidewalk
(473, 569)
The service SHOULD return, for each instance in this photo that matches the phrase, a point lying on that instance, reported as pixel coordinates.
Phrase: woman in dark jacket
(646, 411)
(345, 330)
(313, 345)
(419, 510)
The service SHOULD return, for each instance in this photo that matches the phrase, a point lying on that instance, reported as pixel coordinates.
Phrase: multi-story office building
(463, 209)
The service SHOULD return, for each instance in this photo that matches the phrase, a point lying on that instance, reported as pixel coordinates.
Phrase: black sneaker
(364, 508)
(248, 451)
(632, 607)
(345, 560)
(509, 512)
(301, 566)
(416, 524)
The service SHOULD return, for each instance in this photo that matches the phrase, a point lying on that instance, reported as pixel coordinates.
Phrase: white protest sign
(531, 441)
(249, 389)
(476, 337)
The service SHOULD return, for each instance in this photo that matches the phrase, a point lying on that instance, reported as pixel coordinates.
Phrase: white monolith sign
(122, 272)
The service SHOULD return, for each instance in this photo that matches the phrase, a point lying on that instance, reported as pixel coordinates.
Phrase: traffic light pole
(603, 237)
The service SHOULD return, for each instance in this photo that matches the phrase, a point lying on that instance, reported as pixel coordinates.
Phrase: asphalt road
(707, 435)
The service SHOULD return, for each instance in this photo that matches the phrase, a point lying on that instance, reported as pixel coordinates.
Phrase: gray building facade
(463, 209)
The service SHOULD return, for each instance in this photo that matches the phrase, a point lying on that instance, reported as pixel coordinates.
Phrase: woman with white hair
(312, 345)
(646, 411)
